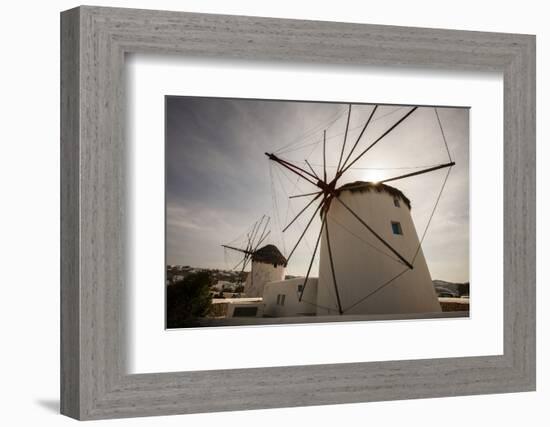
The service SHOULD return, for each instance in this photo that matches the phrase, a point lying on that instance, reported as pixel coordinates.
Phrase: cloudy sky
(219, 181)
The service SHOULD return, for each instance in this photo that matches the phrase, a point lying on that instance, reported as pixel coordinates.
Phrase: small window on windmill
(396, 228)
(396, 201)
(300, 287)
(283, 299)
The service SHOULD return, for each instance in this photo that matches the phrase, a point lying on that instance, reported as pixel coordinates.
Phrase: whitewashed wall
(362, 268)
(292, 306)
(260, 274)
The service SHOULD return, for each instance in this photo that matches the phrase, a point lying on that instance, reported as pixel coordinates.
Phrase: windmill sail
(331, 198)
(239, 252)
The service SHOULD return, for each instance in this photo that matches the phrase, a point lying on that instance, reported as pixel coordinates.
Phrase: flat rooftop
(236, 300)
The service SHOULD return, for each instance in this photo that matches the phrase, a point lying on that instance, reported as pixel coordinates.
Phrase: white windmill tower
(390, 276)
(268, 265)
(267, 262)
(371, 279)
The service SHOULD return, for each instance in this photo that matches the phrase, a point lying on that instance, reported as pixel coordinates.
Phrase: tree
(188, 300)
(464, 288)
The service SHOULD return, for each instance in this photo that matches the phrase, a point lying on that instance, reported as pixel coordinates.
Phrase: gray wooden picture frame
(94, 382)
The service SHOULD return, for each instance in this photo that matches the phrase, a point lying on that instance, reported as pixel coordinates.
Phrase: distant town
(226, 283)
(220, 290)
(230, 282)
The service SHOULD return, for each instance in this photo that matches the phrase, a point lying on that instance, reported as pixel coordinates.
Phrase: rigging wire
(363, 240)
(241, 236)
(298, 221)
(275, 206)
(432, 214)
(319, 305)
(378, 289)
(308, 133)
(442, 133)
(336, 134)
(292, 183)
(282, 171)
(298, 180)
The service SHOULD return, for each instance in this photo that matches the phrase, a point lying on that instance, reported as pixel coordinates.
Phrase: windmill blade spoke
(311, 260)
(294, 168)
(239, 263)
(305, 230)
(386, 133)
(253, 238)
(302, 211)
(249, 245)
(325, 155)
(312, 170)
(245, 262)
(443, 134)
(263, 229)
(268, 219)
(244, 251)
(298, 172)
(375, 234)
(340, 172)
(256, 225)
(345, 138)
(262, 239)
(249, 236)
(332, 269)
(305, 195)
(423, 171)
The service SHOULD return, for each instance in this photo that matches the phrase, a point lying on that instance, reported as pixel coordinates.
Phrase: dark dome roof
(360, 186)
(269, 254)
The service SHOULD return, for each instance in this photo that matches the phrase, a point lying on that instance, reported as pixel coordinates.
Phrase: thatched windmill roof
(269, 254)
(361, 186)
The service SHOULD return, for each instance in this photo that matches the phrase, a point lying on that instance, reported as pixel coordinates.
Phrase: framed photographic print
(323, 212)
(343, 241)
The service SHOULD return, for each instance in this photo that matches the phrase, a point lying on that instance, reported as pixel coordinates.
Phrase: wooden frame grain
(94, 382)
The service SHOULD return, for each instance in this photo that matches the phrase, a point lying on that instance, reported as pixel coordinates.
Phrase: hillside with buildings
(233, 295)
(230, 279)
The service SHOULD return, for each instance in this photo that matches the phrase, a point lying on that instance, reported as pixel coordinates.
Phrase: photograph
(299, 211)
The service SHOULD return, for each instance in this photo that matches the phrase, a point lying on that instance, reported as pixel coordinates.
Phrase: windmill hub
(328, 188)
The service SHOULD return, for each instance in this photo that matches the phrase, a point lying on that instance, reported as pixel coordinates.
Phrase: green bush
(188, 300)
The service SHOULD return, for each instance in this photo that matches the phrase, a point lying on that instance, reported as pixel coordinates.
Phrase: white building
(268, 265)
(364, 265)
(281, 298)
(237, 307)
